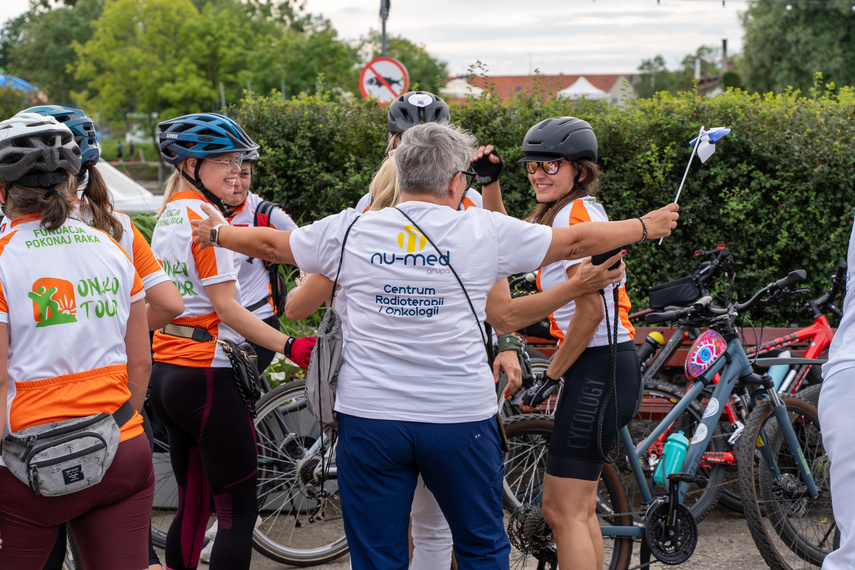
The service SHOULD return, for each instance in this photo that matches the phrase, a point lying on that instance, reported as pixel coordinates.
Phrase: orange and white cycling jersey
(584, 209)
(137, 248)
(192, 269)
(252, 275)
(65, 296)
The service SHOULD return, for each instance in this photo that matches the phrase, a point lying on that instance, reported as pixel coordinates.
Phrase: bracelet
(288, 344)
(509, 342)
(643, 225)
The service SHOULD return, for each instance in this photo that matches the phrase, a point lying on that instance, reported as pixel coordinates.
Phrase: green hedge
(778, 192)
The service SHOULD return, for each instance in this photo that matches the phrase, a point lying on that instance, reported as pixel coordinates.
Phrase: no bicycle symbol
(383, 79)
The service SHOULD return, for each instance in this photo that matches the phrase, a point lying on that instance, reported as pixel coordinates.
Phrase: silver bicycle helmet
(37, 150)
(415, 108)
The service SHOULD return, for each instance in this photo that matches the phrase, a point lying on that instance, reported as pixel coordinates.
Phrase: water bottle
(647, 351)
(778, 371)
(672, 457)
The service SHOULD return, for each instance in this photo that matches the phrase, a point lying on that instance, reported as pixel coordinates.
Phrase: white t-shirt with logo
(413, 351)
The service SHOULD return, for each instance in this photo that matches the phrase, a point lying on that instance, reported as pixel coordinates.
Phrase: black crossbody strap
(341, 258)
(448, 263)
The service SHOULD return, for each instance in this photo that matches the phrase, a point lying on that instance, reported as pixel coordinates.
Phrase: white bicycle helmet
(37, 150)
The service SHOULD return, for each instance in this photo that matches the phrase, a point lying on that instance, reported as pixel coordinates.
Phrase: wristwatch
(215, 231)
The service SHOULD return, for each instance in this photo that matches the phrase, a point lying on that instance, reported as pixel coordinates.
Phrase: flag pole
(683, 181)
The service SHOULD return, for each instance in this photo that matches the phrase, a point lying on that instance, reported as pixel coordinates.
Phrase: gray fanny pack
(64, 457)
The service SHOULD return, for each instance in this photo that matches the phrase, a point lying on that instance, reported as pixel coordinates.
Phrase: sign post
(384, 79)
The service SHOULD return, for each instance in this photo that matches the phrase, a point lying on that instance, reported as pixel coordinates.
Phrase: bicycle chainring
(529, 533)
(670, 544)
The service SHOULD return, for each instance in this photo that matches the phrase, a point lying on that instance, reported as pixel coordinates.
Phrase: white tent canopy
(128, 196)
(459, 88)
(582, 88)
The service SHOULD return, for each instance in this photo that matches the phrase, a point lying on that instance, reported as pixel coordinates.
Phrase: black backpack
(277, 282)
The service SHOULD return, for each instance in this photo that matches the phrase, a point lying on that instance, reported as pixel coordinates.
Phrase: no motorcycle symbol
(383, 79)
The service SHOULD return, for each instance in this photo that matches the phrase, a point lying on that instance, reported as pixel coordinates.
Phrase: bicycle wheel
(301, 520)
(659, 398)
(525, 468)
(165, 489)
(791, 529)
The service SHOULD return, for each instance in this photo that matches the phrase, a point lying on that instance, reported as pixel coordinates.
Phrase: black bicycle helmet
(567, 137)
(81, 126)
(201, 135)
(415, 108)
(37, 150)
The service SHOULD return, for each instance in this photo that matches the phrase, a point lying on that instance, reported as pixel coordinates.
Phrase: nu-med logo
(53, 302)
(411, 242)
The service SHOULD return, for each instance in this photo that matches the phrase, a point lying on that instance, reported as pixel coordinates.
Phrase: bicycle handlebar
(704, 309)
(825, 303)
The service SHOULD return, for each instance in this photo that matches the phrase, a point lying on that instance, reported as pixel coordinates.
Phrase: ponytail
(96, 198)
(172, 185)
(384, 186)
(54, 204)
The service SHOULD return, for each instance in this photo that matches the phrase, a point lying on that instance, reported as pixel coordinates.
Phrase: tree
(654, 76)
(38, 45)
(425, 71)
(785, 47)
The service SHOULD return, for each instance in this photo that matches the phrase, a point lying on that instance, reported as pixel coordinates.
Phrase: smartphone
(601, 258)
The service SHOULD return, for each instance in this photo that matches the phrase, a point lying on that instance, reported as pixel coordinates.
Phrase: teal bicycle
(785, 462)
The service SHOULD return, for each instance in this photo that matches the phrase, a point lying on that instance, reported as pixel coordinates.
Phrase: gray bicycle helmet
(415, 108)
(252, 157)
(37, 150)
(567, 137)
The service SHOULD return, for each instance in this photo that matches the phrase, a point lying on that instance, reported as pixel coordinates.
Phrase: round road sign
(383, 79)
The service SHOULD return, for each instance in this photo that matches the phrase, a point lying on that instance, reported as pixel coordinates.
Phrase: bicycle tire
(658, 399)
(73, 560)
(525, 468)
(791, 530)
(291, 532)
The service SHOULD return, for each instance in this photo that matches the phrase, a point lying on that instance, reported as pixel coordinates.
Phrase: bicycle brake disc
(674, 544)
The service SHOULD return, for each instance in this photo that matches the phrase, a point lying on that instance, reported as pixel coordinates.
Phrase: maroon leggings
(110, 520)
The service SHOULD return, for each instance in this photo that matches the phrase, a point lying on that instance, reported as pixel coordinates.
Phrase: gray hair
(430, 155)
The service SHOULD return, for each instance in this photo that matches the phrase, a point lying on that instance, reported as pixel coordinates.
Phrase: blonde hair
(172, 186)
(544, 213)
(384, 186)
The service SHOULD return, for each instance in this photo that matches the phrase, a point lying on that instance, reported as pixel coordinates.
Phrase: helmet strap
(197, 183)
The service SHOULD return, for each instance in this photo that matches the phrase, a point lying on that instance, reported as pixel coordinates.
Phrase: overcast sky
(513, 37)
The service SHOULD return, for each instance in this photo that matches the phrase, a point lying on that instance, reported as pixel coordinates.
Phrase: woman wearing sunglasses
(192, 386)
(560, 155)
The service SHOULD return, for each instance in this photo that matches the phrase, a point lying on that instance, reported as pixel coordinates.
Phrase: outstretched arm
(591, 238)
(509, 314)
(262, 243)
(307, 296)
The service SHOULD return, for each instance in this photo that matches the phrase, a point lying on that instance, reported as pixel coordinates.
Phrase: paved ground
(724, 542)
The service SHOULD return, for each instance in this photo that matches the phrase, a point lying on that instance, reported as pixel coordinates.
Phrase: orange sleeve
(144, 259)
(206, 259)
(579, 213)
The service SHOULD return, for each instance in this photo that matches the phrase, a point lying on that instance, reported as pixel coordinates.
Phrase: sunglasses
(231, 164)
(548, 167)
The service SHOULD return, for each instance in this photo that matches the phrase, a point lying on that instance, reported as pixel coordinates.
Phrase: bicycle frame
(732, 366)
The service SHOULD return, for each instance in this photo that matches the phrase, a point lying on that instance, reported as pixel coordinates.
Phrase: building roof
(507, 86)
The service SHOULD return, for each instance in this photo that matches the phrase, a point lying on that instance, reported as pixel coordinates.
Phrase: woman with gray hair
(415, 394)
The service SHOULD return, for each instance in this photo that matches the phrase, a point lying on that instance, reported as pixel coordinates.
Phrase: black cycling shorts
(575, 449)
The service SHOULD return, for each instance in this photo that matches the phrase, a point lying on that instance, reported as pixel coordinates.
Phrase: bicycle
(667, 527)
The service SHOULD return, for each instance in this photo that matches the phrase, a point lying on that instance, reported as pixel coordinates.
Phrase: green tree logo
(53, 302)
